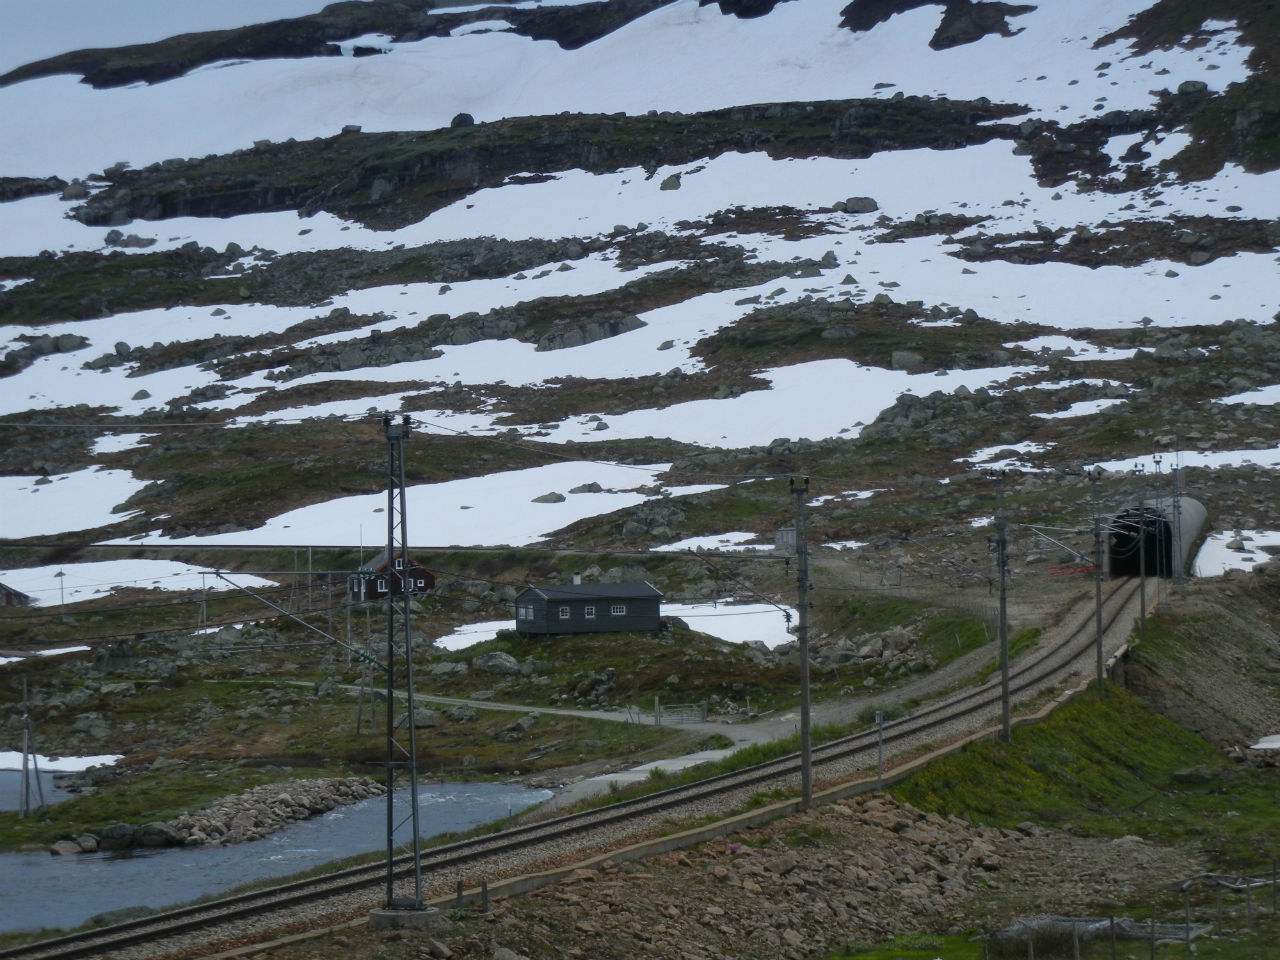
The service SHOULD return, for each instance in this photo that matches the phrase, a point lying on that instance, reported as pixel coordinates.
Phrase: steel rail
(456, 856)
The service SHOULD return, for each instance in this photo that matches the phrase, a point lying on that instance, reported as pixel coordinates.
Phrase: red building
(10, 597)
(375, 579)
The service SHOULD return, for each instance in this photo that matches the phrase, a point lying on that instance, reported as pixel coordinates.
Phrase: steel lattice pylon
(402, 747)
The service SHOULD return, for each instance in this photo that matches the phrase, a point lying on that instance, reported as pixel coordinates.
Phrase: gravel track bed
(1068, 666)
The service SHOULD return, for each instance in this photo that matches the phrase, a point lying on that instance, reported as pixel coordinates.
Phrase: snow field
(74, 582)
(1216, 557)
(679, 57)
(496, 509)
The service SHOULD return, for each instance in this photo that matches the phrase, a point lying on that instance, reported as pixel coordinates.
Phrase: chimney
(577, 579)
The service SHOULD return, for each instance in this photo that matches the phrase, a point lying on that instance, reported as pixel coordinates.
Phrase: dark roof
(380, 561)
(634, 589)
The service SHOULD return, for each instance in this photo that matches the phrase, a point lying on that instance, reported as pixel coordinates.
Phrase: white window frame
(618, 610)
(382, 585)
(565, 613)
(589, 612)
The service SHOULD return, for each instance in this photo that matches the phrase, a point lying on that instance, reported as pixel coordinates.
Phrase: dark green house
(589, 608)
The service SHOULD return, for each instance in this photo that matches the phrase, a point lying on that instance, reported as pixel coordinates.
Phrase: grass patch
(1106, 764)
(160, 795)
(919, 947)
(234, 734)
(622, 669)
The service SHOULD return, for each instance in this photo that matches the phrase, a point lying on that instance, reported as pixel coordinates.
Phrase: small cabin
(9, 597)
(589, 608)
(380, 576)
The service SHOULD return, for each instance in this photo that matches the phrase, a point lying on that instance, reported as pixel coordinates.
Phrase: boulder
(496, 662)
(115, 836)
(157, 834)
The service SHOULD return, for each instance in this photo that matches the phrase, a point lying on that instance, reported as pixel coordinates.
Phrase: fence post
(1248, 905)
(458, 898)
(1075, 940)
(657, 711)
(1152, 929)
(1219, 930)
(1111, 925)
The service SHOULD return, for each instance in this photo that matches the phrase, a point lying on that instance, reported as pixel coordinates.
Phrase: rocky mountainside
(892, 246)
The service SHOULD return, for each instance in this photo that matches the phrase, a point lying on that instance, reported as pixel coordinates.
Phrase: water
(38, 890)
(11, 790)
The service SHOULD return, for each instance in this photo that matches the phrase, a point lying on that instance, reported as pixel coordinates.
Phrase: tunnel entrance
(1141, 540)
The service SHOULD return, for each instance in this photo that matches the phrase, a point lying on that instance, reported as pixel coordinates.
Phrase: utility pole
(1002, 553)
(1179, 548)
(31, 766)
(1094, 476)
(1162, 568)
(399, 595)
(1139, 470)
(800, 490)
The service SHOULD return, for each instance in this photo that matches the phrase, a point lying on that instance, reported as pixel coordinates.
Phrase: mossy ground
(1105, 764)
(232, 735)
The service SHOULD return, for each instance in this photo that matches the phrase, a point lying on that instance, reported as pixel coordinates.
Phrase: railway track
(195, 930)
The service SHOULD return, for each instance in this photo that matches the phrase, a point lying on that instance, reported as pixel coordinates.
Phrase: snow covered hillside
(626, 264)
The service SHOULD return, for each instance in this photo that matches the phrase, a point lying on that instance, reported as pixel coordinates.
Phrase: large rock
(115, 836)
(157, 834)
(496, 662)
(859, 205)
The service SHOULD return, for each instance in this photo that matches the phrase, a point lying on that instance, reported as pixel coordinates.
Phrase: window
(399, 563)
(382, 585)
(618, 609)
(524, 613)
(422, 583)
(564, 613)
(589, 612)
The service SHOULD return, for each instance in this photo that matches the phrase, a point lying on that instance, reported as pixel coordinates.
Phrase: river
(42, 891)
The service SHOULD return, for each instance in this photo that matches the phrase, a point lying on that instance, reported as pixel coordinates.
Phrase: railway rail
(195, 930)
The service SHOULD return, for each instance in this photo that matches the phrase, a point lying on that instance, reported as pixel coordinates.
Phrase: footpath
(957, 675)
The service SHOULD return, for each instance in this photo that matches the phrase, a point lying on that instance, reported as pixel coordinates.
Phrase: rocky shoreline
(250, 815)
